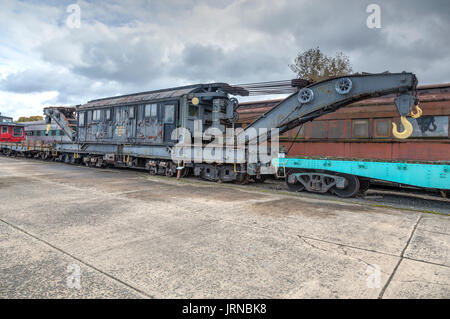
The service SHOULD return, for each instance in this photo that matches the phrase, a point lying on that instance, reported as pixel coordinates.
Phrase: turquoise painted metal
(416, 174)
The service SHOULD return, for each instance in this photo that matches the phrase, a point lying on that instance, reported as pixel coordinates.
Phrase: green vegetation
(30, 118)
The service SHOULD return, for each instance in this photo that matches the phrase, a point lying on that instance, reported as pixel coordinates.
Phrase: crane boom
(328, 96)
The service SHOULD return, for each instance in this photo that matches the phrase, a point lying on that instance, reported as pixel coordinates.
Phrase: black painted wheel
(170, 171)
(351, 188)
(293, 186)
(153, 170)
(260, 180)
(242, 178)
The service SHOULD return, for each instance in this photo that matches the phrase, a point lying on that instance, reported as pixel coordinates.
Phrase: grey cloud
(125, 47)
(72, 89)
(199, 62)
(120, 55)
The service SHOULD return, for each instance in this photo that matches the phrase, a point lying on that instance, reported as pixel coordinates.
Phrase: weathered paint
(414, 150)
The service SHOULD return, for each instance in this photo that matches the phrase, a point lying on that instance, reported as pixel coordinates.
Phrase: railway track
(381, 194)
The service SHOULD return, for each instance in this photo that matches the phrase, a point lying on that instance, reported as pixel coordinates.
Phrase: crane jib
(328, 96)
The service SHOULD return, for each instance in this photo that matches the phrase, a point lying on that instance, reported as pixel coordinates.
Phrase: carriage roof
(157, 95)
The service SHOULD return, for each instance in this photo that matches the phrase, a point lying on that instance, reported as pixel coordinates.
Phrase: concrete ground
(71, 231)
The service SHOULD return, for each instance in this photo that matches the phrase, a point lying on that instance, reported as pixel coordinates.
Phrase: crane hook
(406, 132)
(418, 112)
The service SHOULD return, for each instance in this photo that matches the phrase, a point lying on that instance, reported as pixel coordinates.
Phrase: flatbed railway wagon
(347, 178)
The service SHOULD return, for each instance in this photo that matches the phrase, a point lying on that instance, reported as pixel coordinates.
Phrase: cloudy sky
(125, 47)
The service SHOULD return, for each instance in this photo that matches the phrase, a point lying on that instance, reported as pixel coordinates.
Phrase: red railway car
(364, 129)
(10, 131)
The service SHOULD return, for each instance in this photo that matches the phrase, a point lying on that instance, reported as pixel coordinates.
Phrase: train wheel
(351, 189)
(170, 171)
(260, 180)
(242, 178)
(73, 160)
(153, 170)
(66, 158)
(186, 172)
(292, 182)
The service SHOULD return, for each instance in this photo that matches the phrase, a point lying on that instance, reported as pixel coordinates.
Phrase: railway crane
(137, 130)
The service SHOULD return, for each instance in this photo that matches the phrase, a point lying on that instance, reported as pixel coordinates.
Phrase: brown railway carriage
(364, 129)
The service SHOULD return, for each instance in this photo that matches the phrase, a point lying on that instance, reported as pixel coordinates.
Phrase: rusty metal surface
(414, 150)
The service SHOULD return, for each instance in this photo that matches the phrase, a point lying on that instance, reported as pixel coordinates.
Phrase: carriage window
(131, 112)
(108, 114)
(151, 110)
(337, 129)
(382, 127)
(96, 115)
(430, 126)
(81, 119)
(360, 128)
(318, 129)
(169, 114)
(4, 129)
(118, 117)
(18, 131)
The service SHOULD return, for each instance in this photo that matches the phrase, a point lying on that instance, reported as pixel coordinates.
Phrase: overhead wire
(266, 88)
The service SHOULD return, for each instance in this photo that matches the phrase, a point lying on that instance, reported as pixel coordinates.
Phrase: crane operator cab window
(108, 114)
(169, 114)
(131, 112)
(81, 119)
(169, 121)
(151, 111)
